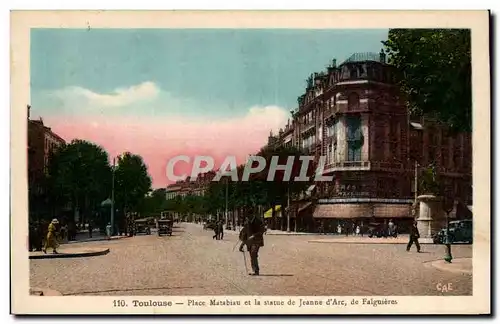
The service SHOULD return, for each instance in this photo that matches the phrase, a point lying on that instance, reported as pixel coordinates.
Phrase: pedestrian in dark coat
(221, 230)
(414, 236)
(255, 241)
(216, 231)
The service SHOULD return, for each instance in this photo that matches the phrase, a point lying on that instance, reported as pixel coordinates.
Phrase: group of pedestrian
(218, 230)
(37, 232)
(43, 235)
(354, 229)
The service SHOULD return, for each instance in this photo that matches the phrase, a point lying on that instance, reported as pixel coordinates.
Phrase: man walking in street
(216, 231)
(255, 241)
(414, 236)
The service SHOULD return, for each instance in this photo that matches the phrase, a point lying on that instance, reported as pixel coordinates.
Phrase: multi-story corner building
(353, 115)
(42, 142)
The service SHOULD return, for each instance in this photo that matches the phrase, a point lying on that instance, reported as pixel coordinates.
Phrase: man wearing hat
(51, 237)
(255, 240)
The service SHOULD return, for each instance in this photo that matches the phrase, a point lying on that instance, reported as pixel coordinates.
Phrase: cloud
(157, 138)
(120, 97)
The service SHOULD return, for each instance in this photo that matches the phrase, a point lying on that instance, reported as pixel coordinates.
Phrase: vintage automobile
(164, 226)
(142, 226)
(459, 231)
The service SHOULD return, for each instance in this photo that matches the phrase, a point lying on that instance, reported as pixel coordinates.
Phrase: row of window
(442, 150)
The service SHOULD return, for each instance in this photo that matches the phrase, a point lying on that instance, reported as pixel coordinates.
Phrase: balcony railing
(347, 165)
(307, 127)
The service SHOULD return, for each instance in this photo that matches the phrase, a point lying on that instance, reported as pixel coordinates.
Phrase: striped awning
(269, 213)
(345, 211)
(340, 211)
(391, 211)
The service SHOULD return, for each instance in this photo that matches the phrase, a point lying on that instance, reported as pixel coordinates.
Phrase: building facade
(190, 186)
(42, 143)
(353, 115)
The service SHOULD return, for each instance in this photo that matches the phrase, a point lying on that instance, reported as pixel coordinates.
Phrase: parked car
(143, 226)
(459, 231)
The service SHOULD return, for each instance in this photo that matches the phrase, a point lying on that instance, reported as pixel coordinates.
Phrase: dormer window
(353, 101)
(353, 73)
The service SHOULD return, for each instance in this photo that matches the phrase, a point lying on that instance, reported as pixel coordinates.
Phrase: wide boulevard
(191, 263)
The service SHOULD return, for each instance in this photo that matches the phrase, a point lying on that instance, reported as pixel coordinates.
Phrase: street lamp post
(288, 210)
(448, 203)
(227, 186)
(416, 181)
(113, 198)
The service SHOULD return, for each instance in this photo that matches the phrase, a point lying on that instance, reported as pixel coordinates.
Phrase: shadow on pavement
(276, 275)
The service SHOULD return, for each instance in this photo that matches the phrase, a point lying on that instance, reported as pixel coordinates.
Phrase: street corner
(70, 253)
(458, 266)
(37, 291)
(98, 239)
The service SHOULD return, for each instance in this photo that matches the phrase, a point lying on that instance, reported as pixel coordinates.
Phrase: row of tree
(80, 177)
(256, 192)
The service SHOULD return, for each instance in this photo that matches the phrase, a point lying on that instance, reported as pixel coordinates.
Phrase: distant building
(353, 115)
(190, 186)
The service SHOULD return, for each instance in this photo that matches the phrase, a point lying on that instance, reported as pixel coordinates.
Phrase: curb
(363, 242)
(442, 266)
(291, 234)
(41, 292)
(113, 238)
(70, 255)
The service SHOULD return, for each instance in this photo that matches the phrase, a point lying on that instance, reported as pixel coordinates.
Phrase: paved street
(191, 263)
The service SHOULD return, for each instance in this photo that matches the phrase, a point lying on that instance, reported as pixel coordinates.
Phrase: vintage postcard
(250, 162)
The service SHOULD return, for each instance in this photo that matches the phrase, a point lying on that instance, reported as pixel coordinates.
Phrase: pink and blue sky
(165, 92)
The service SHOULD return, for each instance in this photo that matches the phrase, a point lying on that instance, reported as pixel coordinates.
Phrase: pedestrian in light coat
(51, 241)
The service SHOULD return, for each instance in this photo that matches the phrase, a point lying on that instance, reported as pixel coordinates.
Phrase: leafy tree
(132, 182)
(278, 188)
(258, 191)
(434, 68)
(155, 203)
(79, 173)
(430, 182)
